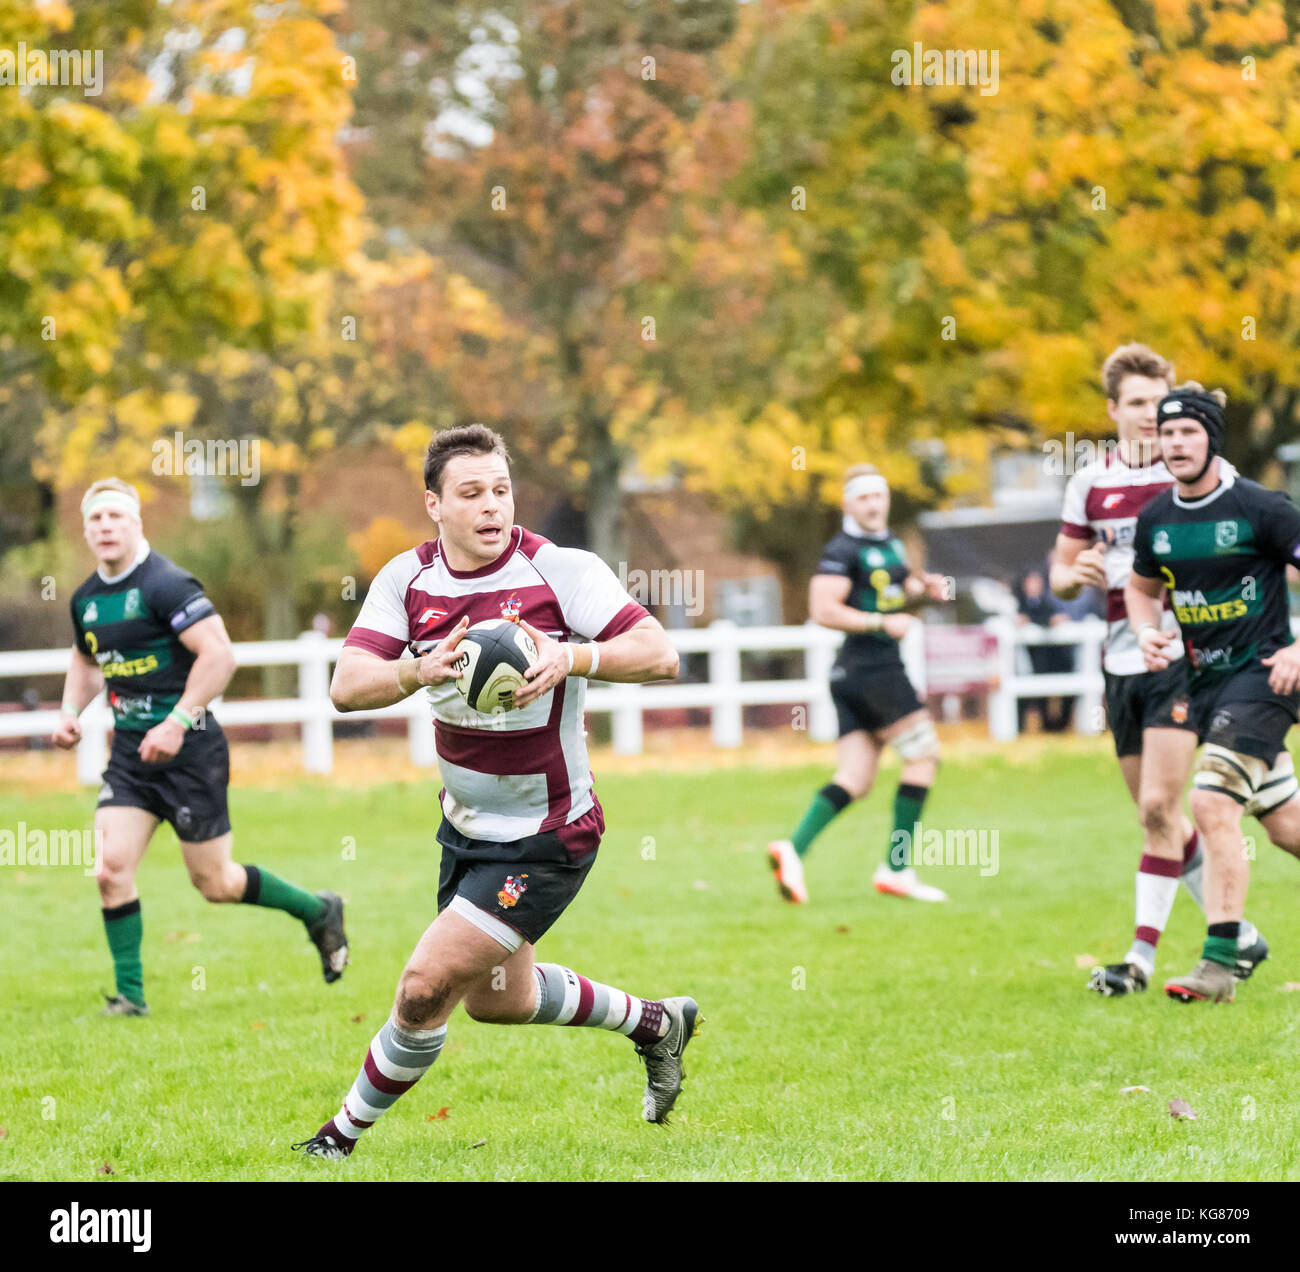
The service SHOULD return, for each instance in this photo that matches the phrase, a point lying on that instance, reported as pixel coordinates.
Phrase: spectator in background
(1039, 607)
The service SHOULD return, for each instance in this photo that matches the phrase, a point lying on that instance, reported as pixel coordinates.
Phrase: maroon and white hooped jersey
(1102, 501)
(525, 771)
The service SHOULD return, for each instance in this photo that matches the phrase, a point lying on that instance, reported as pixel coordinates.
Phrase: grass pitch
(859, 1037)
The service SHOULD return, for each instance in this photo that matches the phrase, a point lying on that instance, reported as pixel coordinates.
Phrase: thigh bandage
(1278, 786)
(1230, 773)
(920, 742)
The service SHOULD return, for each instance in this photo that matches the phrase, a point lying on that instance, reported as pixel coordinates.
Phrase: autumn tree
(1135, 177)
(574, 152)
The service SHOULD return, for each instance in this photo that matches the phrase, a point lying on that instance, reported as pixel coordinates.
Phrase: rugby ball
(492, 657)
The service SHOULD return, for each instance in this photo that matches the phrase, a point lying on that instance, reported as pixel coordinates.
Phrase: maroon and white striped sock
(1157, 885)
(565, 998)
(398, 1058)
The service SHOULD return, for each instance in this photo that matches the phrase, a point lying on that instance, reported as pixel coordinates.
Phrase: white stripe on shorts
(486, 922)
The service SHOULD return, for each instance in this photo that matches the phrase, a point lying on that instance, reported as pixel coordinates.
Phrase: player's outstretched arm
(365, 682)
(82, 683)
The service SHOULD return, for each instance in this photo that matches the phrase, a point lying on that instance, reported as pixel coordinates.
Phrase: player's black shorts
(188, 791)
(871, 700)
(525, 883)
(1239, 712)
(1147, 700)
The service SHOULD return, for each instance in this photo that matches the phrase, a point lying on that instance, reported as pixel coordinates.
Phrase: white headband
(117, 499)
(866, 484)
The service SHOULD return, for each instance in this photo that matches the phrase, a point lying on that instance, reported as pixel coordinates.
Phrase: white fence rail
(725, 694)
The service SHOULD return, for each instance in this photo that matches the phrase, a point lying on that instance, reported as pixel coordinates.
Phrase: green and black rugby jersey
(131, 627)
(1223, 558)
(876, 566)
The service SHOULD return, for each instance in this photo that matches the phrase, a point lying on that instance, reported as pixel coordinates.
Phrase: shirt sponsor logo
(1192, 607)
(436, 614)
(135, 667)
(1202, 659)
(1111, 500)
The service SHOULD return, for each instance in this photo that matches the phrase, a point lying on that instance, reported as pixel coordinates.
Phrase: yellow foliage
(376, 545)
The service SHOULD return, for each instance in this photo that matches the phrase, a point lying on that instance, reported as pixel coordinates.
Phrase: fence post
(1088, 718)
(1003, 721)
(724, 677)
(314, 690)
(912, 651)
(819, 657)
(626, 716)
(419, 732)
(92, 750)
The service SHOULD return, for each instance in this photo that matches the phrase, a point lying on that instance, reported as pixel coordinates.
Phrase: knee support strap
(919, 742)
(1230, 773)
(1278, 786)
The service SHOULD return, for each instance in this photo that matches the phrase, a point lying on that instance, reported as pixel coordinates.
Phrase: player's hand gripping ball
(492, 657)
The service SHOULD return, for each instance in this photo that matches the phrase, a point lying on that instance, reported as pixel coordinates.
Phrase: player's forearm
(372, 683)
(1063, 581)
(844, 618)
(81, 685)
(208, 678)
(632, 658)
(1143, 609)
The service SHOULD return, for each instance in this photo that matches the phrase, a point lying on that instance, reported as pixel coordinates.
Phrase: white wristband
(568, 649)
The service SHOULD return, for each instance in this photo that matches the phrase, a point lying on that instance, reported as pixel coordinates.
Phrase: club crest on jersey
(92, 613)
(510, 608)
(131, 606)
(436, 614)
(1225, 534)
(1161, 542)
(512, 890)
(875, 557)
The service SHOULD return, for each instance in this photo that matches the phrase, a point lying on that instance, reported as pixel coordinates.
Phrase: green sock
(907, 812)
(827, 804)
(1220, 949)
(125, 929)
(264, 888)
